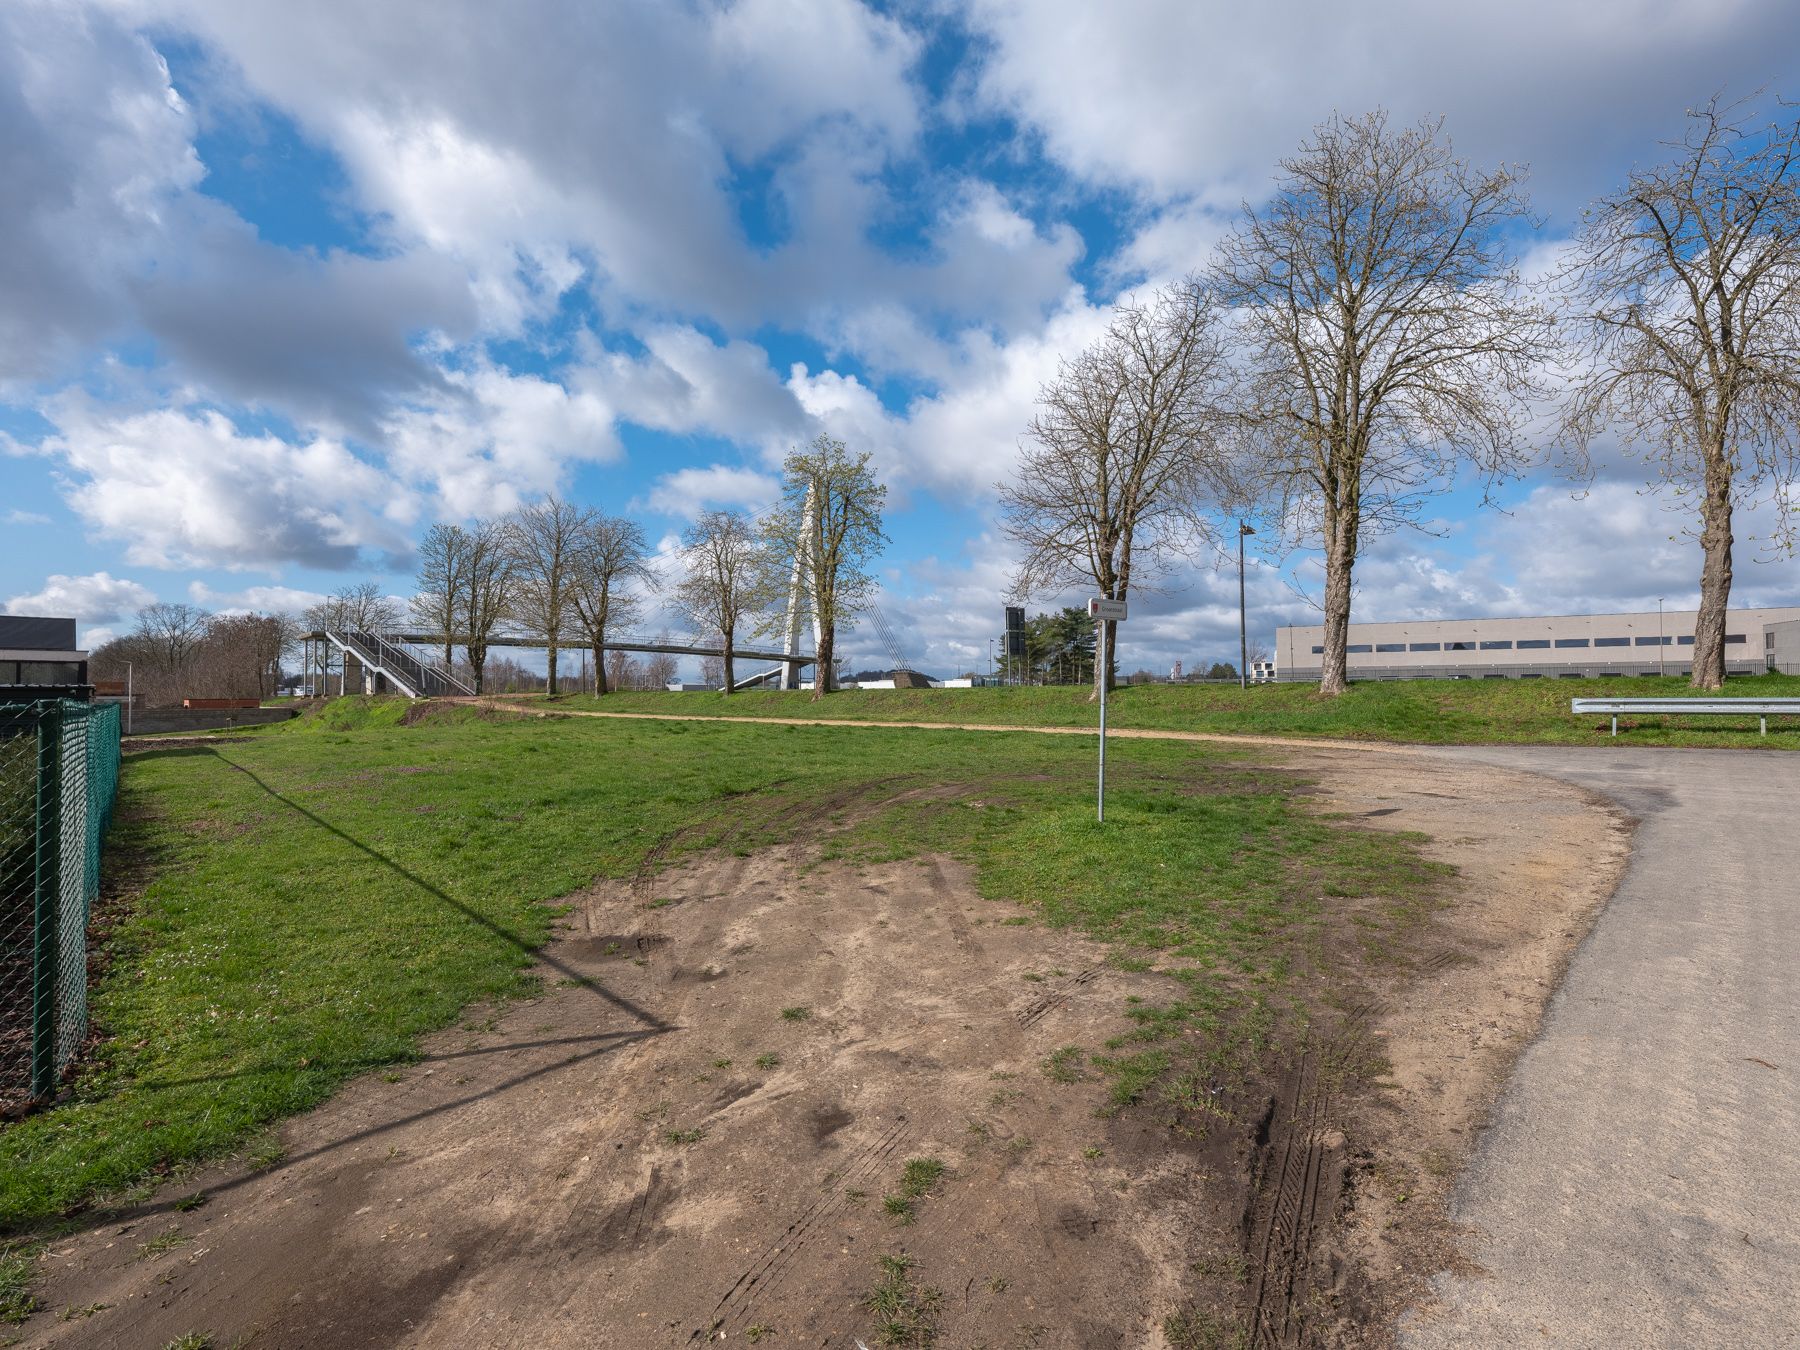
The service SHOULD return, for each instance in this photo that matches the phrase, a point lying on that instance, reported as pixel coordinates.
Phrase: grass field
(300, 905)
(1430, 712)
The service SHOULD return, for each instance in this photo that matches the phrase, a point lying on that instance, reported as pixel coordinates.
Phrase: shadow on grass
(652, 1025)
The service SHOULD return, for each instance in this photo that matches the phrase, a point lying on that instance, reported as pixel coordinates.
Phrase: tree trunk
(478, 663)
(1106, 646)
(1715, 576)
(730, 669)
(822, 660)
(550, 680)
(599, 668)
(1340, 562)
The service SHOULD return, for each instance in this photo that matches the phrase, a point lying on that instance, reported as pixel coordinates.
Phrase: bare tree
(443, 568)
(171, 635)
(359, 607)
(659, 668)
(1685, 286)
(487, 589)
(545, 536)
(712, 670)
(1389, 342)
(610, 558)
(1124, 455)
(828, 523)
(726, 578)
(621, 671)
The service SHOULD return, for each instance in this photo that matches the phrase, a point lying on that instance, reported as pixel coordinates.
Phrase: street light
(1243, 628)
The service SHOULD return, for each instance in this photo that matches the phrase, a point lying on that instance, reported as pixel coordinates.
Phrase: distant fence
(59, 775)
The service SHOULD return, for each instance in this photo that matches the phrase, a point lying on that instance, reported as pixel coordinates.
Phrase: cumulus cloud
(498, 439)
(687, 492)
(96, 147)
(98, 598)
(179, 488)
(1199, 100)
(255, 599)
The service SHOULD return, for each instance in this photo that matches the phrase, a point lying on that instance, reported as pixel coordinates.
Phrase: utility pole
(1662, 655)
(1243, 623)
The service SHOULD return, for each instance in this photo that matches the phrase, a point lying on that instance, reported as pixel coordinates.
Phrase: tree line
(1365, 337)
(576, 577)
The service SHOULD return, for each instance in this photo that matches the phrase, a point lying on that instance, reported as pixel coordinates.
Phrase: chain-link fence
(59, 774)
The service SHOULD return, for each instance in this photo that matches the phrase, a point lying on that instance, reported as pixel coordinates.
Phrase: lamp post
(1662, 656)
(1243, 626)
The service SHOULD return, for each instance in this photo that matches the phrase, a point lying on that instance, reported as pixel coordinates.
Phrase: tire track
(734, 1308)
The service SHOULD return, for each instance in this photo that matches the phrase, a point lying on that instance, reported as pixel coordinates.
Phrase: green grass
(1438, 712)
(329, 889)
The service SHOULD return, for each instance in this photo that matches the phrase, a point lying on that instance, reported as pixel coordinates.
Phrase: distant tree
(1126, 454)
(621, 671)
(660, 668)
(487, 589)
(610, 569)
(1685, 291)
(544, 537)
(828, 525)
(241, 655)
(725, 579)
(443, 569)
(1222, 670)
(1059, 647)
(712, 671)
(172, 633)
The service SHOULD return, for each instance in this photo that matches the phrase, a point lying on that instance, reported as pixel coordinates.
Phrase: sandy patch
(611, 1165)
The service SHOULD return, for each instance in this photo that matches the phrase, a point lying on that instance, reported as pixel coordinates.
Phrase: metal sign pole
(1105, 614)
(1100, 814)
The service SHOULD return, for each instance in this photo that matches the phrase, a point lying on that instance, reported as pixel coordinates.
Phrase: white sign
(1106, 609)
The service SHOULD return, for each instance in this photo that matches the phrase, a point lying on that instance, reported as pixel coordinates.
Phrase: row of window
(40, 672)
(1523, 644)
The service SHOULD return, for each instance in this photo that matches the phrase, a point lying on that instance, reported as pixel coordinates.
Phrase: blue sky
(281, 285)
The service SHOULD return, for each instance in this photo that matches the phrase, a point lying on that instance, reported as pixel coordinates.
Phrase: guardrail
(1760, 708)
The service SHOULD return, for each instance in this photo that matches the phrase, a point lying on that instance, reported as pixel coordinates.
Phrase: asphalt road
(1640, 1182)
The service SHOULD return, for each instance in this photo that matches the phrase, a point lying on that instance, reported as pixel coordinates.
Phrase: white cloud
(254, 599)
(98, 598)
(1200, 99)
(18, 517)
(687, 492)
(498, 439)
(183, 489)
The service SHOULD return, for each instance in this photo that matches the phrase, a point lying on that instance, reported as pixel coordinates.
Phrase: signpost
(1103, 612)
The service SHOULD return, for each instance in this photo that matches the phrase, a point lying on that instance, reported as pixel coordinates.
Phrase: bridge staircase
(410, 671)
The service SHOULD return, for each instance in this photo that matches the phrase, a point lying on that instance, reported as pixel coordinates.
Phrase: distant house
(39, 659)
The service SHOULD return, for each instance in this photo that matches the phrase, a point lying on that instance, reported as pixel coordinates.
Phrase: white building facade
(1571, 645)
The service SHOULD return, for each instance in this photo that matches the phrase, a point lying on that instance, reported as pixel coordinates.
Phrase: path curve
(1638, 1181)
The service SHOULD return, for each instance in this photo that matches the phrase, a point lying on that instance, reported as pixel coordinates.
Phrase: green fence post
(47, 897)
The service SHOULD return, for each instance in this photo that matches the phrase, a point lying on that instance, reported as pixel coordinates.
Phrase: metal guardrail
(1760, 708)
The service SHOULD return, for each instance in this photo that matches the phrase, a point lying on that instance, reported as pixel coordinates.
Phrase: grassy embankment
(325, 891)
(1430, 712)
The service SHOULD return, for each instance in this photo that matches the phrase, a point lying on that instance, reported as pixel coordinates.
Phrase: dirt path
(652, 1154)
(1123, 733)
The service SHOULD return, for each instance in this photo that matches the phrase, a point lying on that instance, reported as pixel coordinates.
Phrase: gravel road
(1640, 1182)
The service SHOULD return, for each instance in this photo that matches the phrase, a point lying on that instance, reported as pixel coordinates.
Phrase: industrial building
(1572, 645)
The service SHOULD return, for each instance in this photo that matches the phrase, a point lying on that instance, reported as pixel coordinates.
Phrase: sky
(281, 285)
